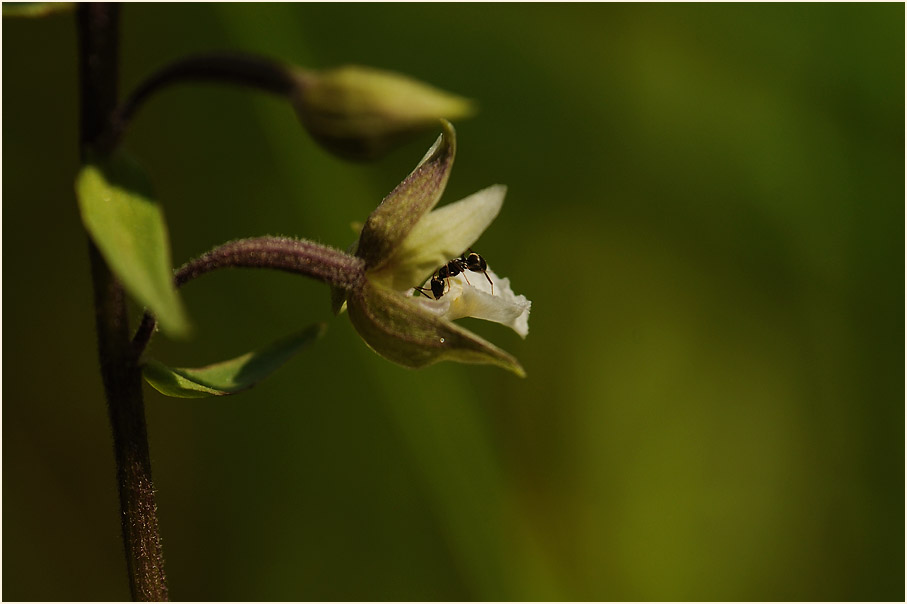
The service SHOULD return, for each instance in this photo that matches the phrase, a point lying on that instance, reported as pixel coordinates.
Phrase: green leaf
(229, 377)
(126, 223)
(36, 9)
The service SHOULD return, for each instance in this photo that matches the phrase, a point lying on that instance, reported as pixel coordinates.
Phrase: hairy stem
(307, 258)
(98, 38)
(231, 68)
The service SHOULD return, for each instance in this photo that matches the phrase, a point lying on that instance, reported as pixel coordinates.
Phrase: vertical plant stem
(98, 40)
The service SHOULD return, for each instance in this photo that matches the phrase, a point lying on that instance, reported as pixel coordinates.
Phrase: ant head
(437, 287)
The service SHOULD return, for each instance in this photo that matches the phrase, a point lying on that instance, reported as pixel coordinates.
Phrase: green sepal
(123, 219)
(399, 329)
(442, 234)
(228, 377)
(389, 224)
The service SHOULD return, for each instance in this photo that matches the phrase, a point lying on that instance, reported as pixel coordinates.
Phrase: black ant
(474, 262)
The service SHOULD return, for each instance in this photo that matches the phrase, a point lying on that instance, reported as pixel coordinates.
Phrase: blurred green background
(705, 206)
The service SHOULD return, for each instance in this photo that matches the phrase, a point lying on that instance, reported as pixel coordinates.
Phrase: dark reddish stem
(98, 39)
(226, 67)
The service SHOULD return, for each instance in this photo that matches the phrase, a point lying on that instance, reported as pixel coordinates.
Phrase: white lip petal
(474, 299)
(440, 307)
(440, 235)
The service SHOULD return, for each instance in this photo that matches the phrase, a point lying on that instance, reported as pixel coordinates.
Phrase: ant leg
(489, 281)
(463, 267)
(476, 264)
(484, 272)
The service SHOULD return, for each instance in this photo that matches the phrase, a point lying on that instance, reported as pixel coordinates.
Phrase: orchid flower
(402, 242)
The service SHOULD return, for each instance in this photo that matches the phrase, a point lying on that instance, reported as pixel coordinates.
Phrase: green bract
(232, 376)
(121, 215)
(403, 241)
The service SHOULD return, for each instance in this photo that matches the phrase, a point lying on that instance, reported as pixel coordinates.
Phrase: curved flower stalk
(404, 240)
(357, 113)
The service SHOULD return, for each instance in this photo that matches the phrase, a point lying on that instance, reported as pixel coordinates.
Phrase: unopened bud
(361, 113)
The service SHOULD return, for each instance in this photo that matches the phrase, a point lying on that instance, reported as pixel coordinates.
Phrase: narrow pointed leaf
(126, 223)
(229, 377)
(419, 192)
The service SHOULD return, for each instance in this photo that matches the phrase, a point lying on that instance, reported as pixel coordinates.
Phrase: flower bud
(361, 113)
